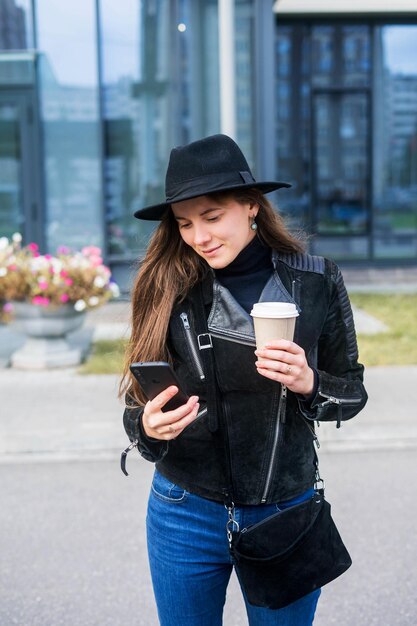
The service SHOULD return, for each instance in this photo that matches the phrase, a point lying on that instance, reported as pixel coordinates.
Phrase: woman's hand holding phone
(167, 425)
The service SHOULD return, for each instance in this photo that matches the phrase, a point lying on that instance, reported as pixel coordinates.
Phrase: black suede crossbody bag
(289, 554)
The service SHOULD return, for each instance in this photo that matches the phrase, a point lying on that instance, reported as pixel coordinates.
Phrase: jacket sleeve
(340, 392)
(151, 449)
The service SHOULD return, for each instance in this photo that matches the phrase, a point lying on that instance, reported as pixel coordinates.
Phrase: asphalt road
(72, 543)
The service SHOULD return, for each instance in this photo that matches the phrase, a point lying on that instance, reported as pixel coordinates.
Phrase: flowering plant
(71, 277)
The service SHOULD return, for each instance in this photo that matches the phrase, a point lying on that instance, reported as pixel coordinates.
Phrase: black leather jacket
(250, 439)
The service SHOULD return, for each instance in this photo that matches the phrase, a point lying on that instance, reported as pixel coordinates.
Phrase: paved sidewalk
(380, 279)
(60, 415)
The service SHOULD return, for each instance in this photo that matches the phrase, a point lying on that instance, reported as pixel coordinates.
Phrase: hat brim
(156, 211)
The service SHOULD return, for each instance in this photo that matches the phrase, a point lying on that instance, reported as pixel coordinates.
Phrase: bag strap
(319, 481)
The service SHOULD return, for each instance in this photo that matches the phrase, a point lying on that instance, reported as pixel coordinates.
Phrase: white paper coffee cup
(273, 320)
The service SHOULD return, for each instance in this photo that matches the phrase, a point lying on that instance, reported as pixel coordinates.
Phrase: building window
(69, 98)
(244, 64)
(395, 141)
(16, 25)
(347, 135)
(160, 88)
(19, 168)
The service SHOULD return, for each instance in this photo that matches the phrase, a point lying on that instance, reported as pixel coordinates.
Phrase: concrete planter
(2, 303)
(46, 331)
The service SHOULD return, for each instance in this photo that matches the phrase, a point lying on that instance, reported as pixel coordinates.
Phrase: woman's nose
(201, 235)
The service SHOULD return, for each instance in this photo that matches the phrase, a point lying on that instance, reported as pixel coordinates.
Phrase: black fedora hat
(209, 165)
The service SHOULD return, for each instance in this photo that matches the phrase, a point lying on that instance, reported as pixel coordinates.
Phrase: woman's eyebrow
(179, 217)
(217, 208)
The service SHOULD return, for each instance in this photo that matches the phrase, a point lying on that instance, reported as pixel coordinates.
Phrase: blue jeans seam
(160, 496)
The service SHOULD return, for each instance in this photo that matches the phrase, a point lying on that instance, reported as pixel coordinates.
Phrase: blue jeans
(191, 564)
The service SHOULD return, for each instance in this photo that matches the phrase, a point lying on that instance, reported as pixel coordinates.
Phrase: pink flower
(63, 273)
(33, 247)
(64, 297)
(91, 251)
(63, 250)
(96, 260)
(68, 281)
(12, 267)
(43, 284)
(48, 257)
(40, 301)
(8, 307)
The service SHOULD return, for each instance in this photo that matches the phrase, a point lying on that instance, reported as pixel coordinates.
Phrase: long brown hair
(168, 272)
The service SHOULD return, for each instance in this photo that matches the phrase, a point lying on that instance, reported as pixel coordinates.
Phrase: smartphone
(156, 376)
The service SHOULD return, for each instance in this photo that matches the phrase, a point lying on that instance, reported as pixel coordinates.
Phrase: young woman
(233, 451)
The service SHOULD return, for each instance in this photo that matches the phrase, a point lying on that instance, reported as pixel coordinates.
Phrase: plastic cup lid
(274, 309)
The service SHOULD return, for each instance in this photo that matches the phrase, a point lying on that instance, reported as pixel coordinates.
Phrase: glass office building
(93, 94)
(346, 102)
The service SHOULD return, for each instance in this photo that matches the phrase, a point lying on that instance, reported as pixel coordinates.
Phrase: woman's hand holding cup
(279, 358)
(167, 425)
(285, 362)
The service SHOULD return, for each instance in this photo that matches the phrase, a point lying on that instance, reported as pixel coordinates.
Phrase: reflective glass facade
(346, 135)
(19, 170)
(93, 94)
(10, 217)
(69, 99)
(160, 88)
(245, 78)
(16, 25)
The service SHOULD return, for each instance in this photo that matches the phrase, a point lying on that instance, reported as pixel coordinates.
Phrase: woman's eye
(213, 219)
(184, 226)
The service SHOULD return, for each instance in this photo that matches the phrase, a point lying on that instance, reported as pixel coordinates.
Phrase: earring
(254, 225)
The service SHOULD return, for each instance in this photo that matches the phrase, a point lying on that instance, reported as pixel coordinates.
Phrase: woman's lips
(211, 251)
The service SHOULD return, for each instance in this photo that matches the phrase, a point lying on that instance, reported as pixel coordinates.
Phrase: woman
(234, 451)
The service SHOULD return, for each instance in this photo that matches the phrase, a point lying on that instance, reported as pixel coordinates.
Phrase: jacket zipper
(226, 412)
(242, 341)
(193, 349)
(338, 401)
(280, 418)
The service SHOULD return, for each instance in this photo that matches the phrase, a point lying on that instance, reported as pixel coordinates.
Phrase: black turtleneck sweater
(246, 276)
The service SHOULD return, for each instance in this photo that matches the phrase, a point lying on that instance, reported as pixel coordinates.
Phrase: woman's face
(217, 231)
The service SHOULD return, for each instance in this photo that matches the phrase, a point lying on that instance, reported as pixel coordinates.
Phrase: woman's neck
(254, 257)
(245, 277)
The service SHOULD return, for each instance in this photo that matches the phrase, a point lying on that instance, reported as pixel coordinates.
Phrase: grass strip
(397, 346)
(106, 358)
